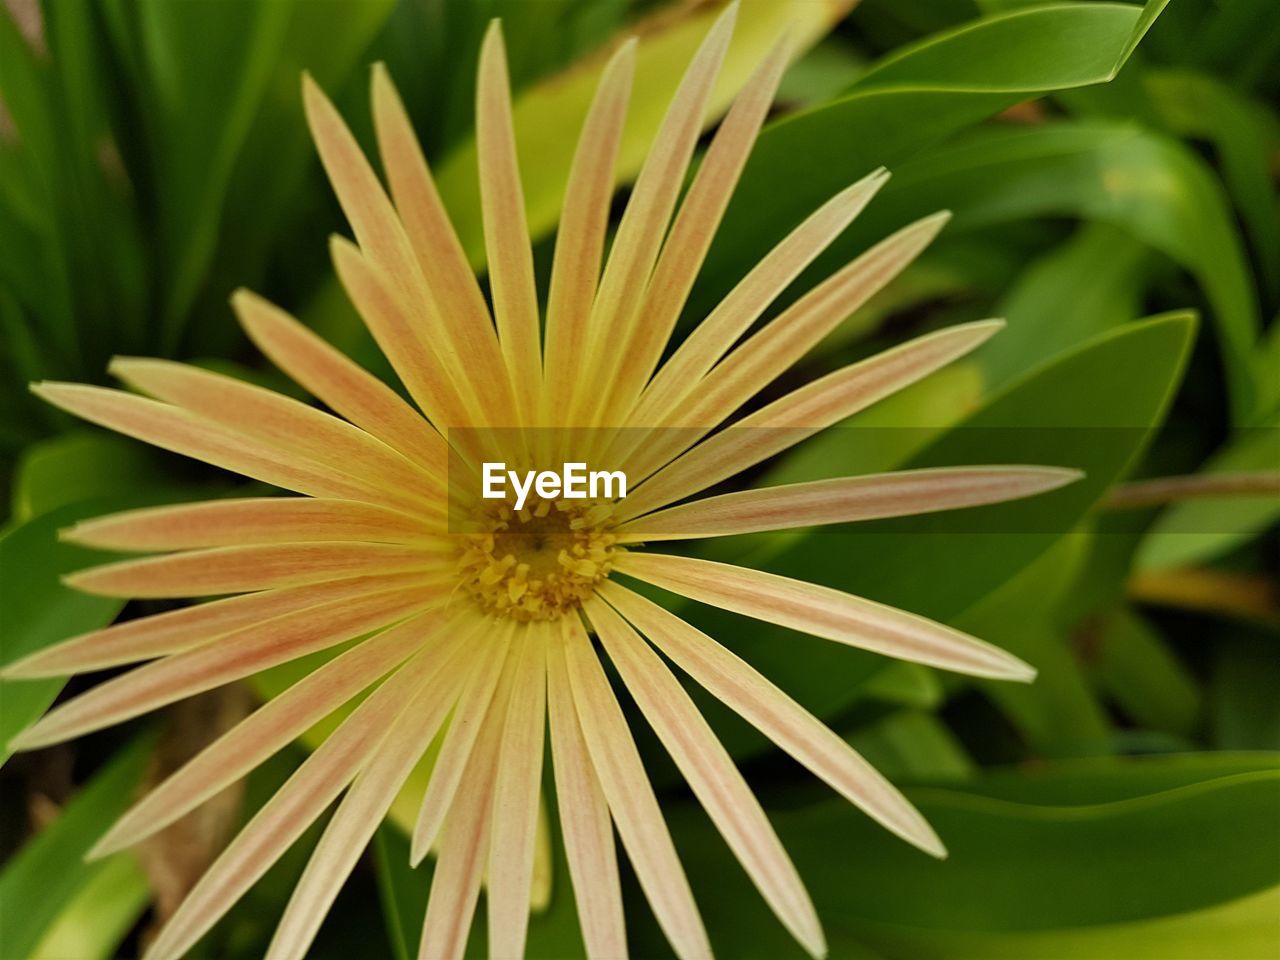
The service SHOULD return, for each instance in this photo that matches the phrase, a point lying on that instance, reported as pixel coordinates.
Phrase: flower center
(539, 562)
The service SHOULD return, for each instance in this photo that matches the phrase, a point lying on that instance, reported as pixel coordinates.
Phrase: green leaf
(80, 466)
(39, 610)
(1146, 184)
(97, 919)
(48, 876)
(1014, 868)
(1136, 667)
(914, 99)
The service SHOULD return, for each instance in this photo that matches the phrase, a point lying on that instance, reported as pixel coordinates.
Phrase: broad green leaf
(1146, 184)
(549, 115)
(915, 98)
(913, 745)
(1244, 710)
(80, 466)
(1088, 285)
(39, 610)
(99, 917)
(48, 875)
(1014, 868)
(1198, 530)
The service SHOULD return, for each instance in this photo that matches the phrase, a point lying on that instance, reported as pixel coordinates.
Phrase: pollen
(539, 562)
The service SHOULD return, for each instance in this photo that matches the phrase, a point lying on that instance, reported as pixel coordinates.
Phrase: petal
(870, 497)
(783, 341)
(629, 794)
(506, 233)
(584, 221)
(370, 797)
(293, 808)
(177, 630)
(172, 428)
(270, 728)
(802, 735)
(715, 336)
(695, 225)
(644, 222)
(435, 242)
(826, 613)
(515, 798)
(795, 417)
(341, 384)
(284, 424)
(221, 570)
(245, 522)
(464, 727)
(456, 884)
(240, 654)
(710, 772)
(585, 824)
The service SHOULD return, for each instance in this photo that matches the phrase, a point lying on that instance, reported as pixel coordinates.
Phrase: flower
(476, 636)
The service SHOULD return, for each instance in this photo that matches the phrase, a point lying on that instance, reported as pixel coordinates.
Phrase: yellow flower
(478, 634)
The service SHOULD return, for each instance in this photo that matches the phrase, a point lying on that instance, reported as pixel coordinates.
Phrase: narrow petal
(584, 221)
(293, 808)
(247, 522)
(796, 416)
(285, 424)
(826, 613)
(710, 772)
(240, 654)
(270, 728)
(342, 385)
(1161, 490)
(585, 824)
(219, 570)
(630, 796)
(435, 242)
(172, 428)
(404, 340)
(783, 341)
(515, 798)
(802, 735)
(695, 225)
(644, 223)
(715, 336)
(178, 630)
(464, 727)
(845, 499)
(367, 802)
(506, 233)
(464, 848)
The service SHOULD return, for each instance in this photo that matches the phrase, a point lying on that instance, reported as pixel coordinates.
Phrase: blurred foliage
(1105, 162)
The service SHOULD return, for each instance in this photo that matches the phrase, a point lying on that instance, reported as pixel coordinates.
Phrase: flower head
(468, 621)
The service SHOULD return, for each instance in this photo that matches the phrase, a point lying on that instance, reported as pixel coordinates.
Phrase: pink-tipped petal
(515, 798)
(267, 730)
(337, 381)
(506, 233)
(777, 716)
(580, 239)
(459, 740)
(221, 570)
(293, 808)
(178, 630)
(823, 612)
(367, 802)
(870, 497)
(247, 522)
(710, 772)
(796, 416)
(630, 796)
(585, 823)
(243, 653)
